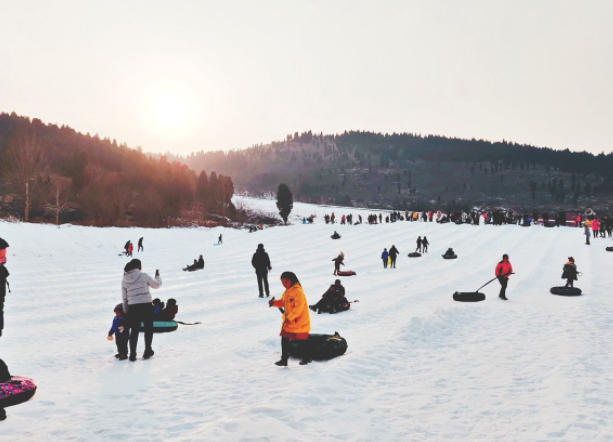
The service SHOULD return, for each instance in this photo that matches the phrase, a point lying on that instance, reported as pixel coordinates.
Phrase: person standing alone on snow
(137, 304)
(338, 262)
(261, 264)
(219, 240)
(503, 271)
(140, 245)
(296, 319)
(4, 273)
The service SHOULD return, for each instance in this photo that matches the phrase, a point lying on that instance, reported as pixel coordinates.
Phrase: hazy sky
(202, 75)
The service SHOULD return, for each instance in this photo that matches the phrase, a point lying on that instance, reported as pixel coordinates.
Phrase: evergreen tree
(285, 201)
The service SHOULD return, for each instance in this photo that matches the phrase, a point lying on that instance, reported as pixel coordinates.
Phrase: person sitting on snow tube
(449, 254)
(158, 306)
(336, 235)
(169, 313)
(332, 300)
(570, 272)
(197, 265)
(14, 390)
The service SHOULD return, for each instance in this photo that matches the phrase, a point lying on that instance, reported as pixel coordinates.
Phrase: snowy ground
(419, 366)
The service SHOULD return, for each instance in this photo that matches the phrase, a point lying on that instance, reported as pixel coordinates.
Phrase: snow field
(419, 366)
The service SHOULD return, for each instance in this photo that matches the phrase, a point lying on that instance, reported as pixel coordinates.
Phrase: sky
(184, 76)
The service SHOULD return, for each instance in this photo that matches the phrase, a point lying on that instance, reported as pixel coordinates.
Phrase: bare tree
(60, 194)
(25, 163)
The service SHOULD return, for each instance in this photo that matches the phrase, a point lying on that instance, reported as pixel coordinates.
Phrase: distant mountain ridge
(411, 171)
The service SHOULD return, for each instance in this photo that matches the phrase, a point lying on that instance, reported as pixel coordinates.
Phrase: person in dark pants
(219, 239)
(261, 264)
(4, 274)
(384, 257)
(121, 331)
(425, 244)
(140, 245)
(419, 244)
(570, 272)
(503, 271)
(137, 304)
(393, 254)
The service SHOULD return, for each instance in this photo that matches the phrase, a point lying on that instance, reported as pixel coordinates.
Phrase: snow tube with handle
(609, 249)
(322, 347)
(565, 291)
(454, 256)
(16, 391)
(414, 255)
(346, 273)
(468, 296)
(161, 326)
(335, 237)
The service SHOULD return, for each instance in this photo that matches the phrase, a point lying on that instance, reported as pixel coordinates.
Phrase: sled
(335, 237)
(609, 249)
(342, 308)
(217, 244)
(16, 391)
(414, 255)
(454, 256)
(161, 326)
(468, 297)
(565, 291)
(322, 347)
(389, 260)
(346, 273)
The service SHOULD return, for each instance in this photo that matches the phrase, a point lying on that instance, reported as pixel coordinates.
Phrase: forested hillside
(56, 173)
(415, 172)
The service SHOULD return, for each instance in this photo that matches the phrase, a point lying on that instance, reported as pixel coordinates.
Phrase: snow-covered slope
(419, 366)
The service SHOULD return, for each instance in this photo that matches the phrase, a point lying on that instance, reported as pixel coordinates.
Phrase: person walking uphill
(137, 304)
(393, 255)
(338, 262)
(4, 274)
(503, 271)
(261, 264)
(296, 319)
(384, 257)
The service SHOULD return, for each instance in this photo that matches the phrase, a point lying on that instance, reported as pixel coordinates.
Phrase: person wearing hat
(121, 331)
(338, 262)
(4, 273)
(570, 272)
(261, 264)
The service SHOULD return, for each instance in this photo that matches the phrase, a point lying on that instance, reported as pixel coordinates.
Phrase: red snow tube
(16, 391)
(346, 273)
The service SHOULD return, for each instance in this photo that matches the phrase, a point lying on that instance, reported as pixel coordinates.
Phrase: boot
(281, 362)
(312, 307)
(122, 357)
(148, 353)
(305, 361)
(261, 296)
(132, 357)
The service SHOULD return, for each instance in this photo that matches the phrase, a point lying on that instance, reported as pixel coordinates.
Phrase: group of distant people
(129, 248)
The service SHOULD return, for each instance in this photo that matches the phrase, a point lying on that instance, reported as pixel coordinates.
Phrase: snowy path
(419, 366)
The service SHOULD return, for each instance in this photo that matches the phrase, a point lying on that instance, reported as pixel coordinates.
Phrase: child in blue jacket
(121, 330)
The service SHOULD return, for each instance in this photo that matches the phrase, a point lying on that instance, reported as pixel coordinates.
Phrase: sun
(171, 112)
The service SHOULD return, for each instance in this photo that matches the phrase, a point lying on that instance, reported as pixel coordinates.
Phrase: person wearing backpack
(570, 272)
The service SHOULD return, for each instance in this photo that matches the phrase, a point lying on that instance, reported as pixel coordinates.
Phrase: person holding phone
(137, 304)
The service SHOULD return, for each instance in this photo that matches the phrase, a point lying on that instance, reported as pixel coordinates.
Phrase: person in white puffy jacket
(137, 304)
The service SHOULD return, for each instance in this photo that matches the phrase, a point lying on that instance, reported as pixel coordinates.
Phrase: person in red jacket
(503, 270)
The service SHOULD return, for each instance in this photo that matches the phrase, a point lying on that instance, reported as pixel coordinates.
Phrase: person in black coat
(261, 264)
(570, 272)
(393, 254)
(4, 273)
(140, 245)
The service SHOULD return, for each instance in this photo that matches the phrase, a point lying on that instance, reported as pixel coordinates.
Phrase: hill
(420, 367)
(51, 172)
(410, 171)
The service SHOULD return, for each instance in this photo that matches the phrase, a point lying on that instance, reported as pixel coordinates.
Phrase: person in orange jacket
(296, 319)
(503, 271)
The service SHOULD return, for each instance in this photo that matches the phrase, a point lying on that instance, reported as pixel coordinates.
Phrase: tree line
(54, 172)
